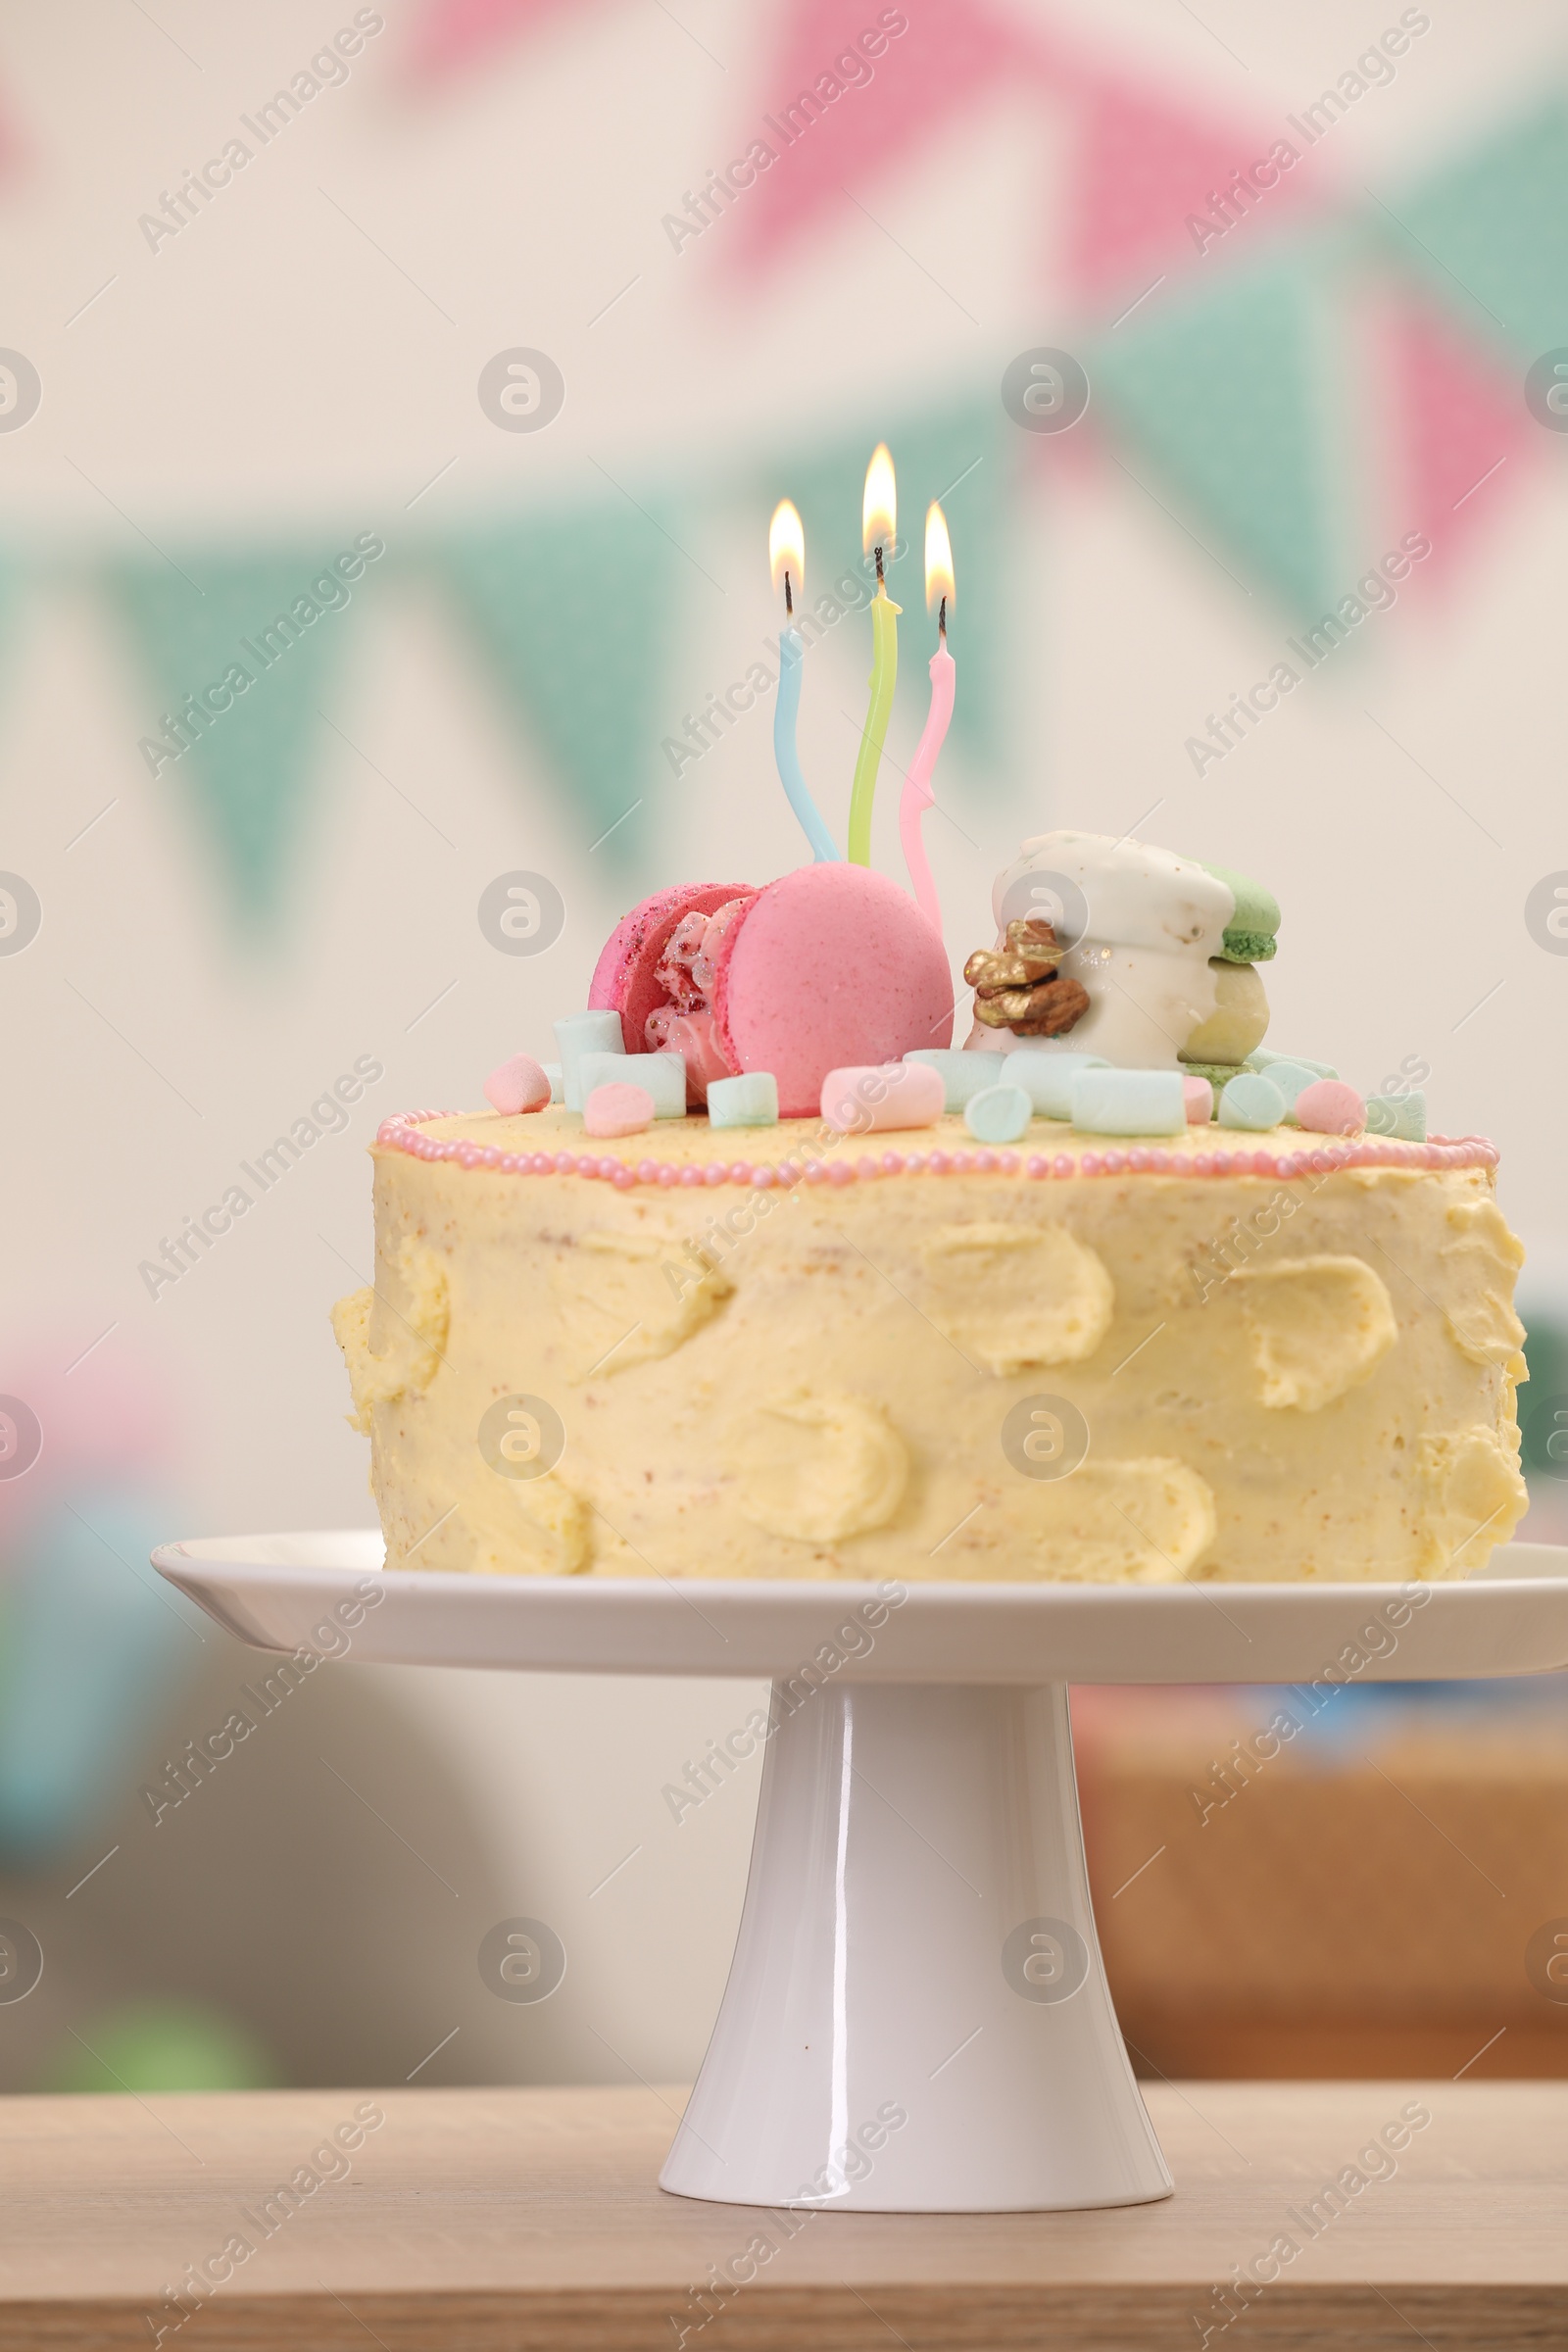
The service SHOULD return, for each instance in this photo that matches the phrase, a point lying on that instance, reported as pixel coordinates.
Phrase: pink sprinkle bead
(1113, 1163)
(667, 1175)
(1036, 1166)
(1062, 1164)
(840, 1171)
(618, 1110)
(691, 1175)
(517, 1085)
(716, 1173)
(763, 1178)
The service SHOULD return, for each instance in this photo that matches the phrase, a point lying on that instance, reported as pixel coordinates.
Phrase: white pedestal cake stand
(917, 1939)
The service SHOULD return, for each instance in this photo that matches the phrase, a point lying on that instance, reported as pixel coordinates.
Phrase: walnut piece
(1016, 986)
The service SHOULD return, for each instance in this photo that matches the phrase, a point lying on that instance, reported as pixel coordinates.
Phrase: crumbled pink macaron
(1199, 1096)
(691, 1036)
(831, 967)
(618, 1109)
(520, 1084)
(626, 976)
(1330, 1107)
(878, 1095)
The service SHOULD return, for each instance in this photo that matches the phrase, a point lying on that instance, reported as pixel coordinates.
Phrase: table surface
(491, 2219)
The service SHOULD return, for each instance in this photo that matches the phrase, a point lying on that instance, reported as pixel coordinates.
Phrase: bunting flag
(1461, 424)
(853, 92)
(573, 611)
(454, 34)
(1493, 227)
(961, 456)
(1220, 395)
(1154, 189)
(240, 651)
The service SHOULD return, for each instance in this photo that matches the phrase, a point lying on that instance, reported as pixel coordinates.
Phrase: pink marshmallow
(865, 1098)
(1199, 1096)
(519, 1083)
(618, 1111)
(1330, 1107)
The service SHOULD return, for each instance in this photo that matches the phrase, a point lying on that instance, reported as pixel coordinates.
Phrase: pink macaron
(832, 966)
(626, 978)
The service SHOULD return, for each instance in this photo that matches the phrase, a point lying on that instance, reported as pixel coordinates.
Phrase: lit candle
(878, 518)
(917, 795)
(785, 554)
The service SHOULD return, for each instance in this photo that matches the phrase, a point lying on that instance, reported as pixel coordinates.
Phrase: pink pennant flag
(854, 91)
(1462, 425)
(1155, 189)
(456, 34)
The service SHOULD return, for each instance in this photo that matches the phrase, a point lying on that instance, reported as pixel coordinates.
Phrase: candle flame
(938, 559)
(786, 545)
(879, 515)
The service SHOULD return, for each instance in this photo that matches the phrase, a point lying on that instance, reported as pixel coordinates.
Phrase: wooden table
(503, 2220)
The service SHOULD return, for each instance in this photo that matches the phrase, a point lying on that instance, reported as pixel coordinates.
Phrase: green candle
(878, 532)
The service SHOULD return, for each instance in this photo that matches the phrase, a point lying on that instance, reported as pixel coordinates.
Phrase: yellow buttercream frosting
(1278, 1377)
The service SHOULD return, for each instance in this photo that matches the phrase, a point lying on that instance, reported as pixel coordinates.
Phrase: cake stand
(916, 2018)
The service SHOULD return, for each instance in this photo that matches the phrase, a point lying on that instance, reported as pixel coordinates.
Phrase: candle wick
(789, 601)
(942, 620)
(879, 581)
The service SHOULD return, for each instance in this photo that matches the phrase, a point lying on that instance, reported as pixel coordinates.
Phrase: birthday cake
(768, 1278)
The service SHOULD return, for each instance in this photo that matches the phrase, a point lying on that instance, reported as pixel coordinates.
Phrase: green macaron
(1250, 933)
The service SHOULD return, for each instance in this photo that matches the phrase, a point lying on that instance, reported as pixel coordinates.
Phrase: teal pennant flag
(1221, 400)
(239, 652)
(1488, 235)
(572, 614)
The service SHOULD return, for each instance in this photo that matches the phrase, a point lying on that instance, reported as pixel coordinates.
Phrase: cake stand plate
(917, 2018)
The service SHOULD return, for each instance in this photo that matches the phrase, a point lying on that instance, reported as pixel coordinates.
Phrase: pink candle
(918, 796)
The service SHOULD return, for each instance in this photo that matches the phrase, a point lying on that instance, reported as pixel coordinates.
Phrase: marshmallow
(617, 1110)
(997, 1114)
(749, 1100)
(1252, 1102)
(1291, 1078)
(1261, 1056)
(582, 1033)
(1046, 1078)
(864, 1098)
(1200, 1098)
(1110, 1101)
(1330, 1107)
(661, 1075)
(1403, 1115)
(963, 1073)
(519, 1083)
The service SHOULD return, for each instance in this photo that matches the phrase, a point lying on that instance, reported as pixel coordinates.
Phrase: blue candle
(786, 551)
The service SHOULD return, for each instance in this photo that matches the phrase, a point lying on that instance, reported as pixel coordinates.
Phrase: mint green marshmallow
(1251, 1102)
(997, 1114)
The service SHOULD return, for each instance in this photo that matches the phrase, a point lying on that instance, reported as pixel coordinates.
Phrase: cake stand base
(917, 2019)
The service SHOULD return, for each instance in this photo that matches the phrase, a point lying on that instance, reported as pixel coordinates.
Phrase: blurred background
(449, 288)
